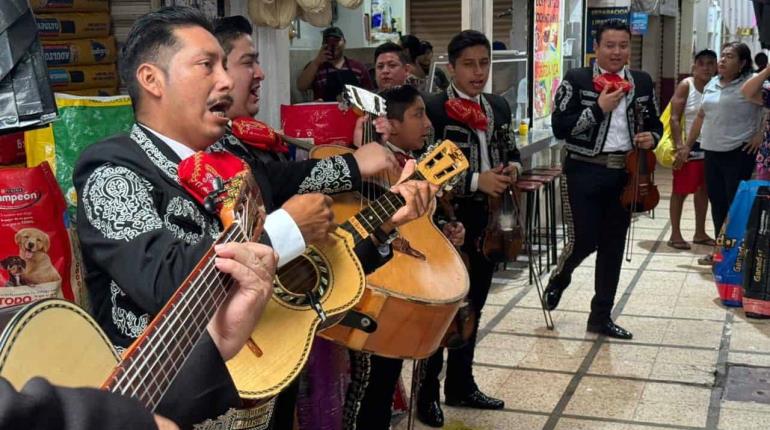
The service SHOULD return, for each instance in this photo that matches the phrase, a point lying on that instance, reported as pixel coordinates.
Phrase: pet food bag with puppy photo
(35, 253)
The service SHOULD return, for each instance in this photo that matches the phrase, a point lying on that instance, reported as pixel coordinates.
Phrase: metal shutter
(125, 12)
(635, 62)
(435, 21)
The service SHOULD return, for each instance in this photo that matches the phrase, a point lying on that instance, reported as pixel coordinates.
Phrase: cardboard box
(72, 25)
(70, 5)
(80, 52)
(82, 77)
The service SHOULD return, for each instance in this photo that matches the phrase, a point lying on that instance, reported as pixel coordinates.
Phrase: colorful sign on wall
(548, 55)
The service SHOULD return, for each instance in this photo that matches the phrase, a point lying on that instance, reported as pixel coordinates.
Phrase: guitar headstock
(224, 185)
(363, 101)
(442, 163)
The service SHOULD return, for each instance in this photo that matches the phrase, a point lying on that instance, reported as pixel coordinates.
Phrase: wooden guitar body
(57, 340)
(414, 297)
(280, 344)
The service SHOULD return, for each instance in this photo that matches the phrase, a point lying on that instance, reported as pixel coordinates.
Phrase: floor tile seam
(561, 405)
(620, 342)
(630, 422)
(715, 409)
(629, 315)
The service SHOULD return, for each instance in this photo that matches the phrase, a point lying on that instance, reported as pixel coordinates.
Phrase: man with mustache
(142, 234)
(600, 128)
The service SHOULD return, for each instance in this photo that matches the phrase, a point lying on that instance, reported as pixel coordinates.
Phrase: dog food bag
(12, 148)
(73, 25)
(80, 51)
(35, 252)
(67, 78)
(70, 5)
(82, 122)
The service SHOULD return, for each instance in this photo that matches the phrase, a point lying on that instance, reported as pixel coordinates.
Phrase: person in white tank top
(688, 165)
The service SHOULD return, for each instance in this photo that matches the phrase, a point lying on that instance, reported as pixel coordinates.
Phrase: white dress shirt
(482, 135)
(285, 236)
(617, 135)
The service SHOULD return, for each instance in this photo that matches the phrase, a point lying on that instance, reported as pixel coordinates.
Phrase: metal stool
(532, 222)
(548, 189)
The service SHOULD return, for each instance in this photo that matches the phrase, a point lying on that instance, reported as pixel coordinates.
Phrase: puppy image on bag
(15, 267)
(33, 249)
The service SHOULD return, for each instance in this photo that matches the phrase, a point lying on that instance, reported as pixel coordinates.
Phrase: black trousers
(377, 402)
(724, 171)
(596, 221)
(459, 374)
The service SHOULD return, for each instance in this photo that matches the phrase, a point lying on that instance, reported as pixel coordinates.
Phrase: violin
(640, 193)
(502, 239)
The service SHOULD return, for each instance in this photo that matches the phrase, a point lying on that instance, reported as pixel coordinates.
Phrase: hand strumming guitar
(252, 267)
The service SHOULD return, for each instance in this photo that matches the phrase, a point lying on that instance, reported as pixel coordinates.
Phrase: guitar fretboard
(374, 216)
(153, 361)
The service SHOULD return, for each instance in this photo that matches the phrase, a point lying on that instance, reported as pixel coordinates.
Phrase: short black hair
(612, 24)
(398, 99)
(149, 34)
(392, 47)
(705, 53)
(466, 39)
(760, 59)
(231, 28)
(426, 46)
(412, 45)
(744, 54)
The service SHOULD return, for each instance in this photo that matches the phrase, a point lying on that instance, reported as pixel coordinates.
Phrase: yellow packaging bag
(665, 152)
(93, 92)
(72, 25)
(68, 78)
(80, 52)
(70, 5)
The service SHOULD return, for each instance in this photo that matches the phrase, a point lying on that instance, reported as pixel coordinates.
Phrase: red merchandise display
(12, 148)
(324, 122)
(35, 253)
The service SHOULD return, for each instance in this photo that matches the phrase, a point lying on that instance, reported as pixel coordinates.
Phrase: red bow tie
(198, 173)
(466, 112)
(257, 134)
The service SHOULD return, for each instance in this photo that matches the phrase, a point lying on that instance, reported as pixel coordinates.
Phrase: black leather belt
(610, 161)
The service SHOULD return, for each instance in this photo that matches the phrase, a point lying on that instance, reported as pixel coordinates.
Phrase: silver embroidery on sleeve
(564, 94)
(182, 208)
(127, 322)
(117, 202)
(330, 175)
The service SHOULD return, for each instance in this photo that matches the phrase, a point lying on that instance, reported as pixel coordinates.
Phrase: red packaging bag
(324, 122)
(12, 148)
(612, 81)
(35, 253)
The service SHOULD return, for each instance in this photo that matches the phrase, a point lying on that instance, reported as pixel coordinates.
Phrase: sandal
(678, 244)
(707, 242)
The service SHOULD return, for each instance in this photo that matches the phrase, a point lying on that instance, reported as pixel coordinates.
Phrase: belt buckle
(616, 161)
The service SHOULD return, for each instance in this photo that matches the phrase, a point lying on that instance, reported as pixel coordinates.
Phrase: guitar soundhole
(305, 276)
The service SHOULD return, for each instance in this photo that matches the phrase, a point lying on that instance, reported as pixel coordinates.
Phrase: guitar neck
(152, 362)
(376, 214)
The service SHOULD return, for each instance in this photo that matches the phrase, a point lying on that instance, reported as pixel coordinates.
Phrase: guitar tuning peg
(217, 184)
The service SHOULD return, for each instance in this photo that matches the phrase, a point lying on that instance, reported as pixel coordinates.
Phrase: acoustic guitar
(413, 297)
(59, 341)
(317, 289)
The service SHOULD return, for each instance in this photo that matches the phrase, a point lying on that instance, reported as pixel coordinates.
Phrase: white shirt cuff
(474, 182)
(285, 236)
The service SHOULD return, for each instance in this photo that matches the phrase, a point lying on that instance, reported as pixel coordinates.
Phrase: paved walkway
(670, 376)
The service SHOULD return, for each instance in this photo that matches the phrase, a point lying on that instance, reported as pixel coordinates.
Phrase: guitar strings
(125, 380)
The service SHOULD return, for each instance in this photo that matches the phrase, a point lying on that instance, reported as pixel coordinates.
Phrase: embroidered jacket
(141, 235)
(501, 140)
(578, 119)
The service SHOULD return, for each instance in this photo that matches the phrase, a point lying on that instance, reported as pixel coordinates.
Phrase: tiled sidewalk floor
(670, 376)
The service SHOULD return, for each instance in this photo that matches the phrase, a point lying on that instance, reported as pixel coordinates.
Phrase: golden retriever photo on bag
(33, 249)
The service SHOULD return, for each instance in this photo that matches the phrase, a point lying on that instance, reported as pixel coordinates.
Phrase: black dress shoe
(475, 399)
(551, 297)
(430, 414)
(610, 329)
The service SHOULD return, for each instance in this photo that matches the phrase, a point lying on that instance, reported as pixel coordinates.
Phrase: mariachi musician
(599, 125)
(480, 125)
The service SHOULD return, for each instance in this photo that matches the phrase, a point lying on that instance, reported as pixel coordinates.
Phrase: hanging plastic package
(26, 99)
